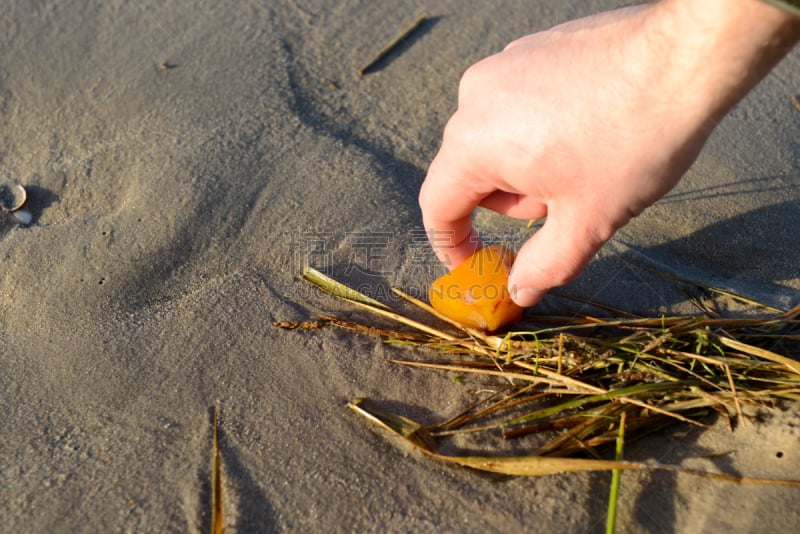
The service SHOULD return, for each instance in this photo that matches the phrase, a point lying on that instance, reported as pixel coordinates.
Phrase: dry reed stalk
(573, 380)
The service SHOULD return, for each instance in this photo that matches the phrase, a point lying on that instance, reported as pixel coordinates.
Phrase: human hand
(589, 123)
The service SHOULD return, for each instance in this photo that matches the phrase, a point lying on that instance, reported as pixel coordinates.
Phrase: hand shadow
(754, 254)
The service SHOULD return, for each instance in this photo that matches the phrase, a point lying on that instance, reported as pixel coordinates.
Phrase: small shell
(12, 196)
(23, 217)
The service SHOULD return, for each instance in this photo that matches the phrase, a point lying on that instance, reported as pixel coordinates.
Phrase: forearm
(721, 48)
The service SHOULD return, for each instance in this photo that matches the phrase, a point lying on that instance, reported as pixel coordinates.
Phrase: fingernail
(526, 296)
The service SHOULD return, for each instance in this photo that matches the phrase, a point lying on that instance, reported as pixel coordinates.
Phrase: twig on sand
(217, 522)
(391, 45)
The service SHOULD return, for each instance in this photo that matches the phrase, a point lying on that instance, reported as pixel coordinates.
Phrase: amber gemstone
(476, 292)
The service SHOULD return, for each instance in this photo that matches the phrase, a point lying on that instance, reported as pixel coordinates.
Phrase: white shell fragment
(12, 196)
(23, 217)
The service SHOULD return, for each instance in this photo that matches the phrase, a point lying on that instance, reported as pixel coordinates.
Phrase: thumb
(553, 256)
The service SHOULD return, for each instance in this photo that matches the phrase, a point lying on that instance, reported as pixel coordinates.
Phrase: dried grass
(573, 380)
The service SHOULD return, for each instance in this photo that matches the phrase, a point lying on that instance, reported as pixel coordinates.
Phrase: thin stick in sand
(217, 521)
(796, 102)
(391, 45)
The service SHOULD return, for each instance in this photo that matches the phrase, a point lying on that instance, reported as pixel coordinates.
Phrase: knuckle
(425, 197)
(472, 80)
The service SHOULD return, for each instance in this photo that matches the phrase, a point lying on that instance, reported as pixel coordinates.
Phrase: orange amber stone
(476, 292)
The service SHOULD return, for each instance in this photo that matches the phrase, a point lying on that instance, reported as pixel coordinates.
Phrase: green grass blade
(338, 289)
(581, 401)
(611, 522)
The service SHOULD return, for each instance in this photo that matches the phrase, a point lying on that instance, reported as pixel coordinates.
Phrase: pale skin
(591, 122)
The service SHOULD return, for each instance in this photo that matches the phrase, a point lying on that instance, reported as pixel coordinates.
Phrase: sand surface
(184, 159)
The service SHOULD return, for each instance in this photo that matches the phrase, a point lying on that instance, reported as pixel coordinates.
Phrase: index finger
(447, 199)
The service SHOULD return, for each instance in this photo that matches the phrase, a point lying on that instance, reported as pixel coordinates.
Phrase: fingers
(447, 200)
(515, 205)
(554, 256)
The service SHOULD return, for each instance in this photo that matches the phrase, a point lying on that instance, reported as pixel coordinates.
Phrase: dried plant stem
(572, 381)
(217, 520)
(416, 435)
(391, 45)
